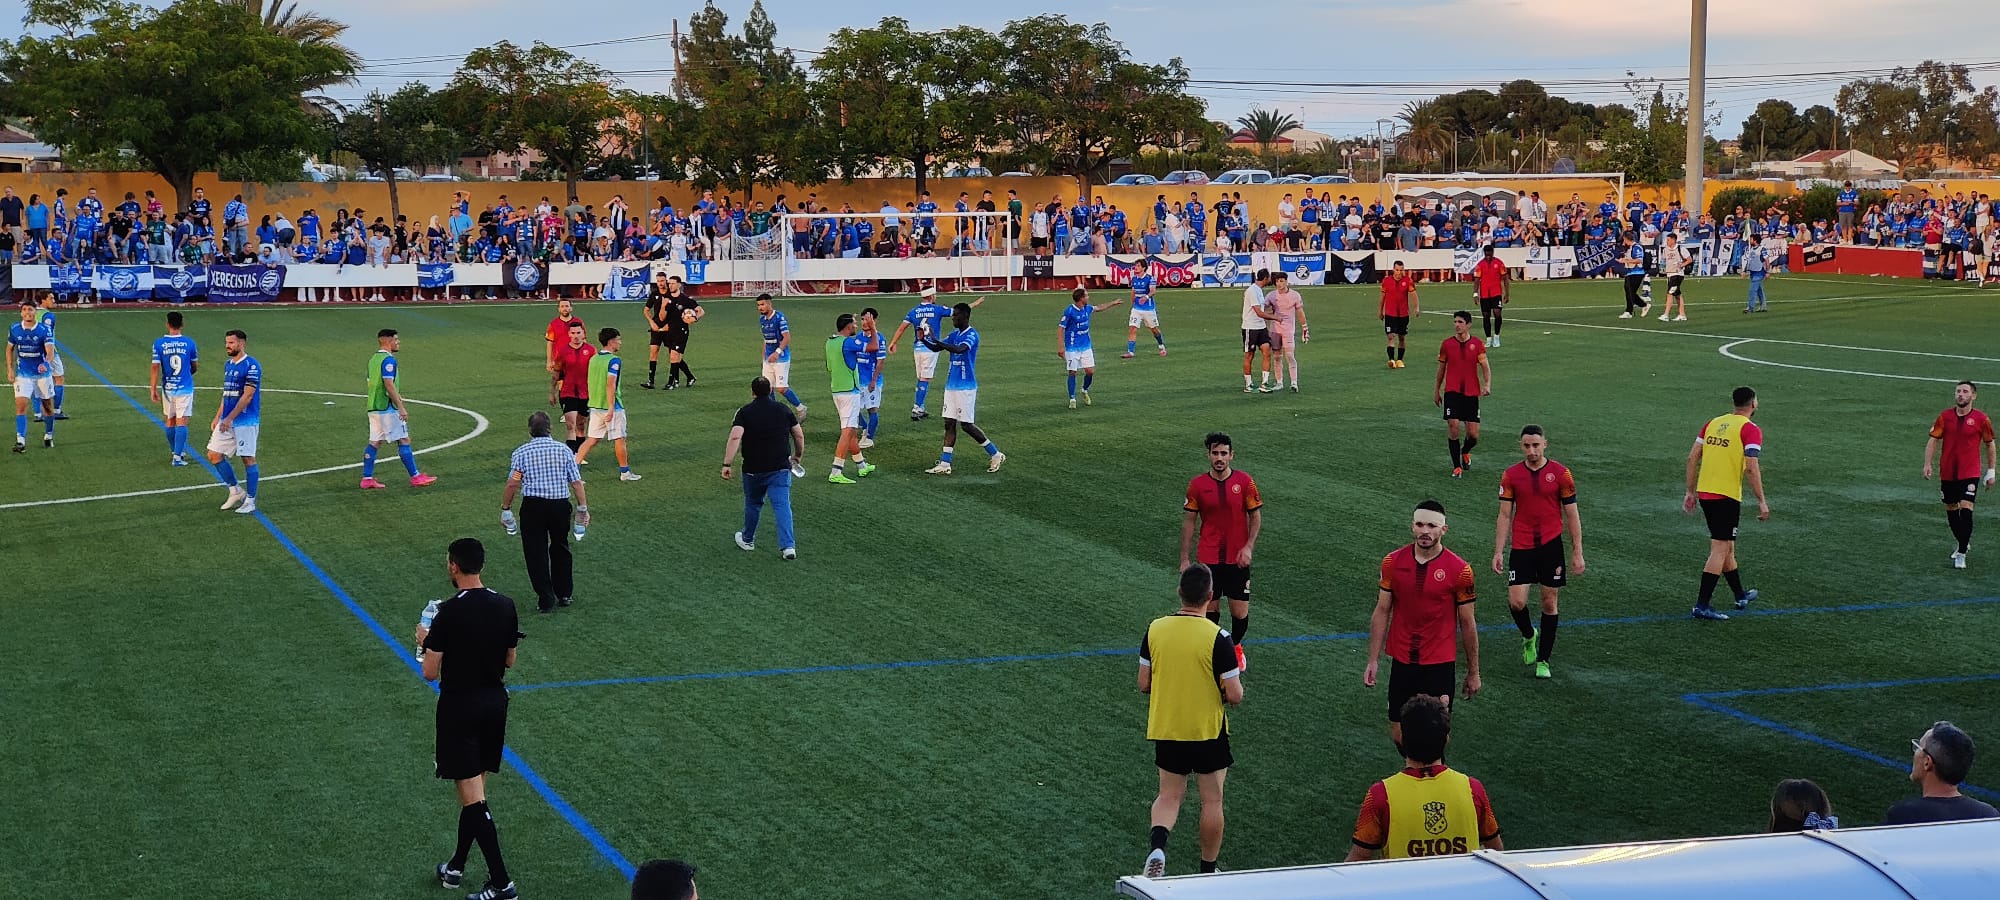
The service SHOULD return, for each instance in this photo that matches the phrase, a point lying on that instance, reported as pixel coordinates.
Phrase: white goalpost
(817, 253)
(1398, 179)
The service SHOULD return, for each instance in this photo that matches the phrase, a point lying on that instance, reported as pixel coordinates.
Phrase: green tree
(1913, 110)
(308, 28)
(1775, 129)
(1266, 127)
(219, 91)
(1424, 131)
(745, 116)
(1070, 98)
(402, 129)
(919, 97)
(506, 98)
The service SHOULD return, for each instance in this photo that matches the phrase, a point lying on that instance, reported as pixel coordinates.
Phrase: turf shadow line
(528, 774)
(1264, 641)
(1708, 701)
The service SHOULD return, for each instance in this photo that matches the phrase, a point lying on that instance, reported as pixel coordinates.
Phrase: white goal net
(895, 253)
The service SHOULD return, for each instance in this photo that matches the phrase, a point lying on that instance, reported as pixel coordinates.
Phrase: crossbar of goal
(954, 251)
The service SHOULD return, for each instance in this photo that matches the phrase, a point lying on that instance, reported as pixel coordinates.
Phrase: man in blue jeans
(1755, 270)
(772, 442)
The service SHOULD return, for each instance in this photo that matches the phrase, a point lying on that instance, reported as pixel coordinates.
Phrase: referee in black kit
(545, 473)
(467, 651)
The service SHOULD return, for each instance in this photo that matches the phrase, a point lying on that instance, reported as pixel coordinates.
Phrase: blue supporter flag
(177, 283)
(1595, 257)
(697, 271)
(435, 275)
(627, 283)
(123, 282)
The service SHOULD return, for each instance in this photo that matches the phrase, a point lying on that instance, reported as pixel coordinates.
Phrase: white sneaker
(1681, 318)
(742, 544)
(1156, 864)
(1663, 317)
(1625, 315)
(1958, 560)
(1072, 403)
(791, 553)
(998, 459)
(943, 468)
(236, 496)
(629, 476)
(1494, 342)
(249, 506)
(867, 443)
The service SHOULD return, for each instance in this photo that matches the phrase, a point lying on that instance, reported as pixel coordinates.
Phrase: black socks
(1547, 644)
(1159, 838)
(1735, 582)
(1470, 442)
(1392, 352)
(682, 368)
(1400, 350)
(1457, 459)
(1207, 866)
(488, 838)
(468, 826)
(1521, 621)
(653, 368)
(1238, 627)
(1215, 616)
(1708, 580)
(1961, 527)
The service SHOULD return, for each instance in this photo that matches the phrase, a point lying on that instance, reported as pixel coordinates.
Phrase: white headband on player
(929, 292)
(1428, 517)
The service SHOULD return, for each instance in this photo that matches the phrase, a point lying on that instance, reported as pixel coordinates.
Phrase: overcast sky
(1403, 49)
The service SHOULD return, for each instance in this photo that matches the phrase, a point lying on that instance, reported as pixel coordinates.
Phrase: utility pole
(1697, 113)
(678, 89)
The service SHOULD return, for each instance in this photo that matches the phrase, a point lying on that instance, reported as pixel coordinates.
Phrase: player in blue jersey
(1073, 337)
(778, 351)
(1143, 312)
(845, 351)
(47, 320)
(961, 388)
(388, 416)
(28, 348)
(872, 369)
(927, 318)
(172, 384)
(234, 430)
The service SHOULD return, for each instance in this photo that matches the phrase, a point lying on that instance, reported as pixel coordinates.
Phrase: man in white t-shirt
(1287, 220)
(1257, 318)
(1673, 264)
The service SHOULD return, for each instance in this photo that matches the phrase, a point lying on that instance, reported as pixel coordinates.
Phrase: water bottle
(798, 469)
(424, 622)
(579, 530)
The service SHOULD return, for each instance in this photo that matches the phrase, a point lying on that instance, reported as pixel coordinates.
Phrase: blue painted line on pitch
(1705, 701)
(1264, 641)
(562, 807)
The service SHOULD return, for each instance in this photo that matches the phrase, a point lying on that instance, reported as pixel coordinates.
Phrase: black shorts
(1038, 242)
(578, 405)
(1459, 406)
(1542, 565)
(1959, 490)
(1232, 582)
(661, 338)
(471, 732)
(1407, 680)
(1256, 337)
(1396, 325)
(677, 340)
(1193, 757)
(1674, 284)
(1487, 304)
(1722, 514)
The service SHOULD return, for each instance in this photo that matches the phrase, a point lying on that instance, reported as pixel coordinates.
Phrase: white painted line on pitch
(1726, 349)
(1738, 338)
(479, 426)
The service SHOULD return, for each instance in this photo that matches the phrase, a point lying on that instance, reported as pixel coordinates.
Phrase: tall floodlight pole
(1697, 106)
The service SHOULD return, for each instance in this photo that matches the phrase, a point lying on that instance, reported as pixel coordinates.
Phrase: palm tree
(306, 28)
(1266, 127)
(1424, 129)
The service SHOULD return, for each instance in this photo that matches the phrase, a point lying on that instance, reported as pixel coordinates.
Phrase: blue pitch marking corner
(1712, 701)
(1264, 641)
(528, 774)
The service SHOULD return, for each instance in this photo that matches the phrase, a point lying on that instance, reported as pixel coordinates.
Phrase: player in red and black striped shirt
(1537, 502)
(1963, 434)
(1424, 603)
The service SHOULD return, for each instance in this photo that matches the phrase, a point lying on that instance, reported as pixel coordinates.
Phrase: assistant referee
(545, 474)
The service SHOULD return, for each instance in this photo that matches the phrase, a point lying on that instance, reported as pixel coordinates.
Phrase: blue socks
(990, 449)
(792, 397)
(250, 480)
(923, 391)
(623, 469)
(59, 396)
(1161, 339)
(874, 419)
(409, 458)
(1087, 377)
(21, 427)
(368, 461)
(1072, 385)
(1132, 346)
(227, 472)
(945, 457)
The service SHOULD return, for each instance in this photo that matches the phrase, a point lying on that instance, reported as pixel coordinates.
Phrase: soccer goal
(756, 262)
(863, 252)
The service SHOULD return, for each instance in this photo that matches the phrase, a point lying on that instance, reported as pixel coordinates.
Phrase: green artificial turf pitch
(191, 712)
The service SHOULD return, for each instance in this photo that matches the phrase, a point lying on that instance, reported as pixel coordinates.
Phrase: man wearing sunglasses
(1939, 763)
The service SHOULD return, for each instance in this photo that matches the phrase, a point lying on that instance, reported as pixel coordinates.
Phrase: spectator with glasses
(1939, 763)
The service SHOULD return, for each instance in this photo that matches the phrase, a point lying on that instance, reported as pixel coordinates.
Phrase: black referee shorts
(677, 340)
(661, 338)
(1723, 514)
(1193, 757)
(1407, 680)
(471, 731)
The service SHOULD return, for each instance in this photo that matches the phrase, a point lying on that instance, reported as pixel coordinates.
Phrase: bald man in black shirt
(467, 650)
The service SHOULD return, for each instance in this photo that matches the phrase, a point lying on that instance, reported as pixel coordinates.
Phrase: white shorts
(34, 387)
(386, 426)
(1144, 318)
(778, 373)
(848, 406)
(176, 406)
(607, 425)
(960, 404)
(871, 397)
(240, 442)
(1077, 360)
(926, 363)
(55, 362)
